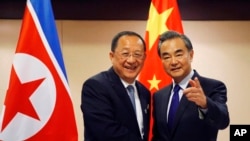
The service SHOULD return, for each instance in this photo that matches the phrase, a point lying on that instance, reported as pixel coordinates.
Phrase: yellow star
(154, 83)
(156, 23)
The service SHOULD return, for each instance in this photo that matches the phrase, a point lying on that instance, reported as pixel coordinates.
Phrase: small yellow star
(156, 24)
(154, 83)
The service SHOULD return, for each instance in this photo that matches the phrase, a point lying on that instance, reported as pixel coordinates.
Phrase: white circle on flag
(21, 127)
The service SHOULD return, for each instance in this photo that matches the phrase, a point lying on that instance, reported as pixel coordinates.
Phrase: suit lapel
(184, 103)
(121, 92)
(143, 100)
(165, 95)
(144, 106)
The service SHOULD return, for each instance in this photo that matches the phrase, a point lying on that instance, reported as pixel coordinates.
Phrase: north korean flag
(38, 104)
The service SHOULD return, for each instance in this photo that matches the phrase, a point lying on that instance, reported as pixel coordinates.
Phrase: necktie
(173, 106)
(131, 92)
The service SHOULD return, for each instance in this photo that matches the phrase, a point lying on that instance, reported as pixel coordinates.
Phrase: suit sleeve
(98, 113)
(217, 114)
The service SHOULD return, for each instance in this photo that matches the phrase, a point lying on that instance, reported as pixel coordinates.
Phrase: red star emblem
(17, 98)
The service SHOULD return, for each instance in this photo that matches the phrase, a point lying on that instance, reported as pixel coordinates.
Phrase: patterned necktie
(131, 92)
(173, 106)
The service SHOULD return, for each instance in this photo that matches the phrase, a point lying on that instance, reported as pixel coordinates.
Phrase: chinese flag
(38, 104)
(163, 16)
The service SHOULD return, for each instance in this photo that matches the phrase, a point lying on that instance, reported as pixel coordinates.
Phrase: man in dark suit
(200, 110)
(108, 112)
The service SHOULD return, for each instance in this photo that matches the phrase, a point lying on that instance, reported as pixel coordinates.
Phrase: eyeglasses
(136, 55)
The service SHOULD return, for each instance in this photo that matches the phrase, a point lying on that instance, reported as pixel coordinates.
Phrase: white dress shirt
(137, 105)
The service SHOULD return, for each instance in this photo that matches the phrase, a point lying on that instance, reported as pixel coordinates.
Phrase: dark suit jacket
(107, 110)
(187, 125)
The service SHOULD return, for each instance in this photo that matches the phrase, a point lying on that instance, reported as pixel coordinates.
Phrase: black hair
(171, 35)
(123, 33)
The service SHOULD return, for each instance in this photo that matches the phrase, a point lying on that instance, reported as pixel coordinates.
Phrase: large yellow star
(156, 23)
(154, 83)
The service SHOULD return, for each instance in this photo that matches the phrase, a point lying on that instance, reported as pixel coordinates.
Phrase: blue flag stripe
(46, 18)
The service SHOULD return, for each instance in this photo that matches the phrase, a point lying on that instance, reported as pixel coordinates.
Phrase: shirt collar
(125, 84)
(183, 84)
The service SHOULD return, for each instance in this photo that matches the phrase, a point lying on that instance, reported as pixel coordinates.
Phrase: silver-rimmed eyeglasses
(137, 55)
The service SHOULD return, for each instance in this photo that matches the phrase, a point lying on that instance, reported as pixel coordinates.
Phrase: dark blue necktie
(131, 92)
(173, 106)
